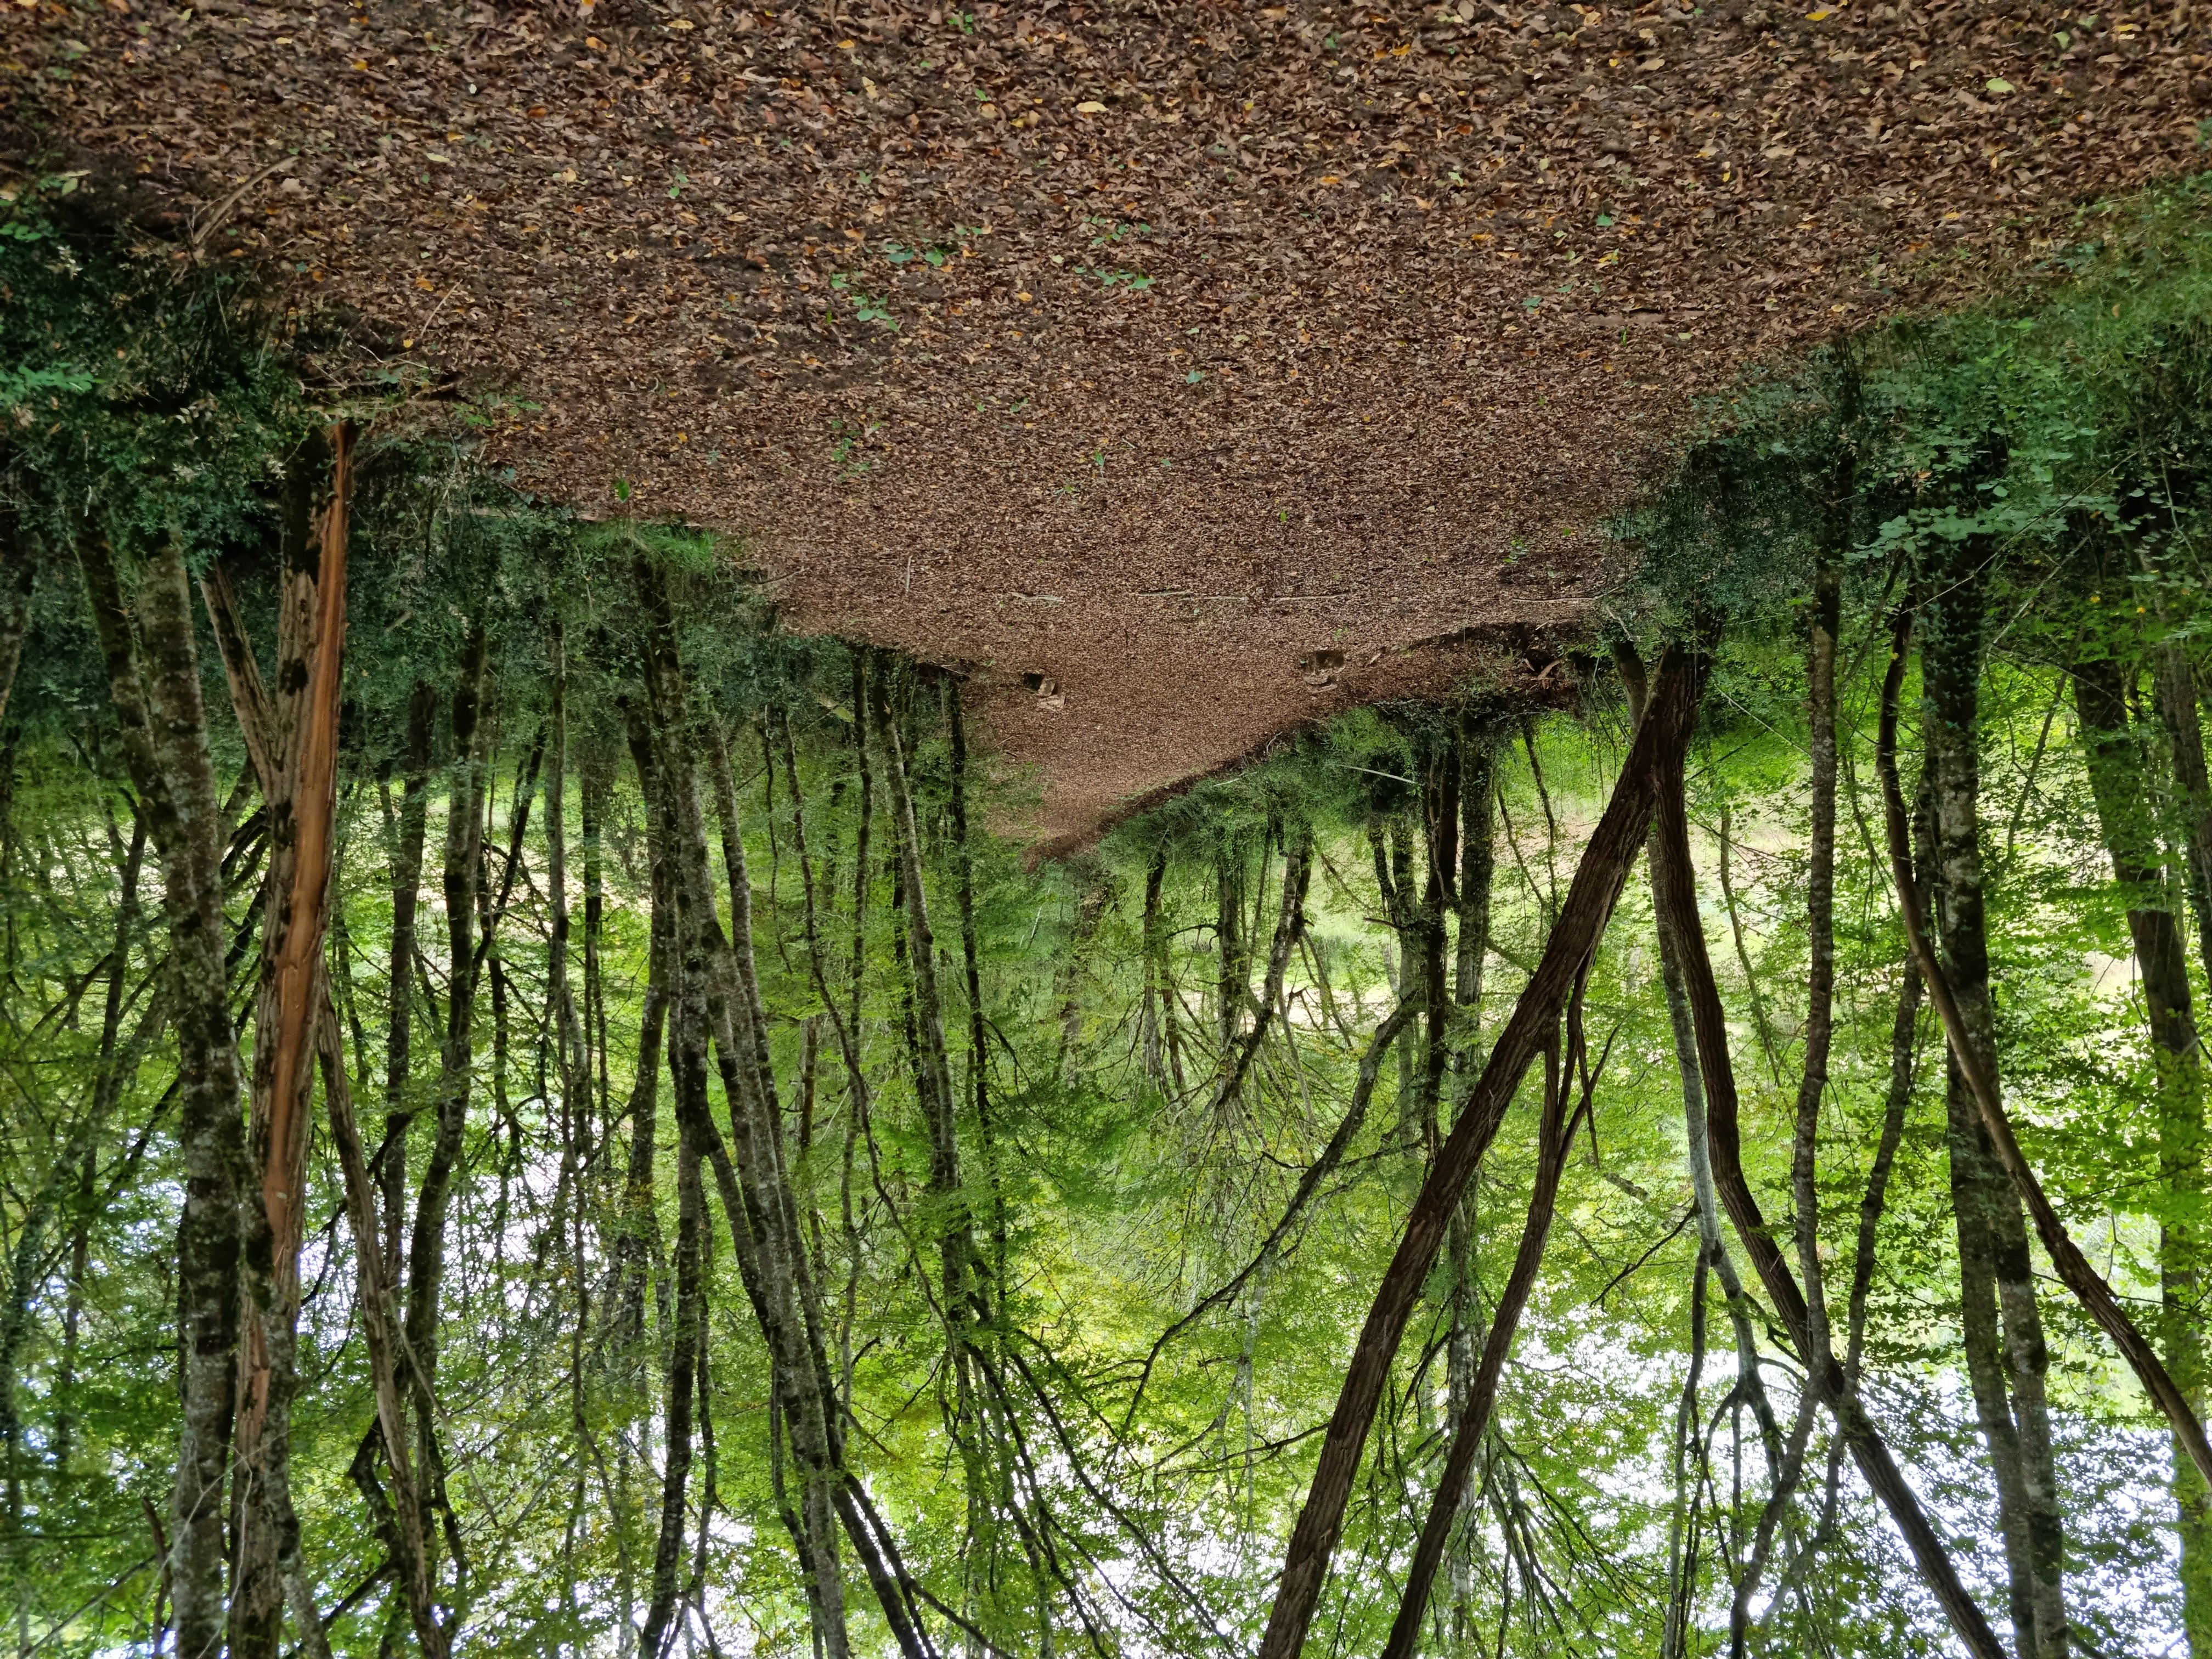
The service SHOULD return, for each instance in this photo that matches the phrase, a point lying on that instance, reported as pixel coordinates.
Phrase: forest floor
(1183, 372)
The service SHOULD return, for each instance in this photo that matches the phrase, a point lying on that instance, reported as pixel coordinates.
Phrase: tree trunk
(19, 573)
(1477, 784)
(1674, 884)
(2182, 1157)
(463, 873)
(637, 1224)
(390, 1166)
(755, 1188)
(1696, 1139)
(399, 1519)
(152, 674)
(979, 1071)
(1290, 927)
(687, 1061)
(1819, 1025)
(1590, 899)
(1992, 1230)
(932, 1068)
(2116, 760)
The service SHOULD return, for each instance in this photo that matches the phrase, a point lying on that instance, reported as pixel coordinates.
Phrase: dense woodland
(536, 1113)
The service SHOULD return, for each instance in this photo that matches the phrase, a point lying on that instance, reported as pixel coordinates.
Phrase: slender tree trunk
(19, 573)
(1590, 899)
(592, 800)
(1290, 927)
(1819, 1026)
(568, 1027)
(153, 674)
(2116, 761)
(932, 1068)
(399, 1518)
(2181, 1268)
(755, 1188)
(1232, 983)
(1153, 933)
(686, 1059)
(463, 873)
(1440, 786)
(637, 1229)
(979, 1071)
(1554, 1132)
(390, 1164)
(1477, 863)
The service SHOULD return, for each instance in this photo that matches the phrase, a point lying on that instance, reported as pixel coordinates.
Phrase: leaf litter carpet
(1184, 371)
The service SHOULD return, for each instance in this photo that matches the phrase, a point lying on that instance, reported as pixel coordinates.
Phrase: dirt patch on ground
(1195, 360)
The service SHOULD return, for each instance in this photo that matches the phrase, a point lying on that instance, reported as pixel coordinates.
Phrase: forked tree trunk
(292, 736)
(1590, 899)
(153, 674)
(1696, 1138)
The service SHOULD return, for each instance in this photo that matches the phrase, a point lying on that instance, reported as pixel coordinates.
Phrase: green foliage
(1137, 1477)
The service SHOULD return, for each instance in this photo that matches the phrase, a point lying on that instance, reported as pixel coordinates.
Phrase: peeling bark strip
(1674, 889)
(1660, 741)
(2073, 1267)
(152, 674)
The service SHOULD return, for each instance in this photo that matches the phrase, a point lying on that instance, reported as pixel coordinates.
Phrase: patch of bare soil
(1174, 366)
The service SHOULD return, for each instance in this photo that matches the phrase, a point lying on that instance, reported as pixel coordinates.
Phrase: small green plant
(866, 308)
